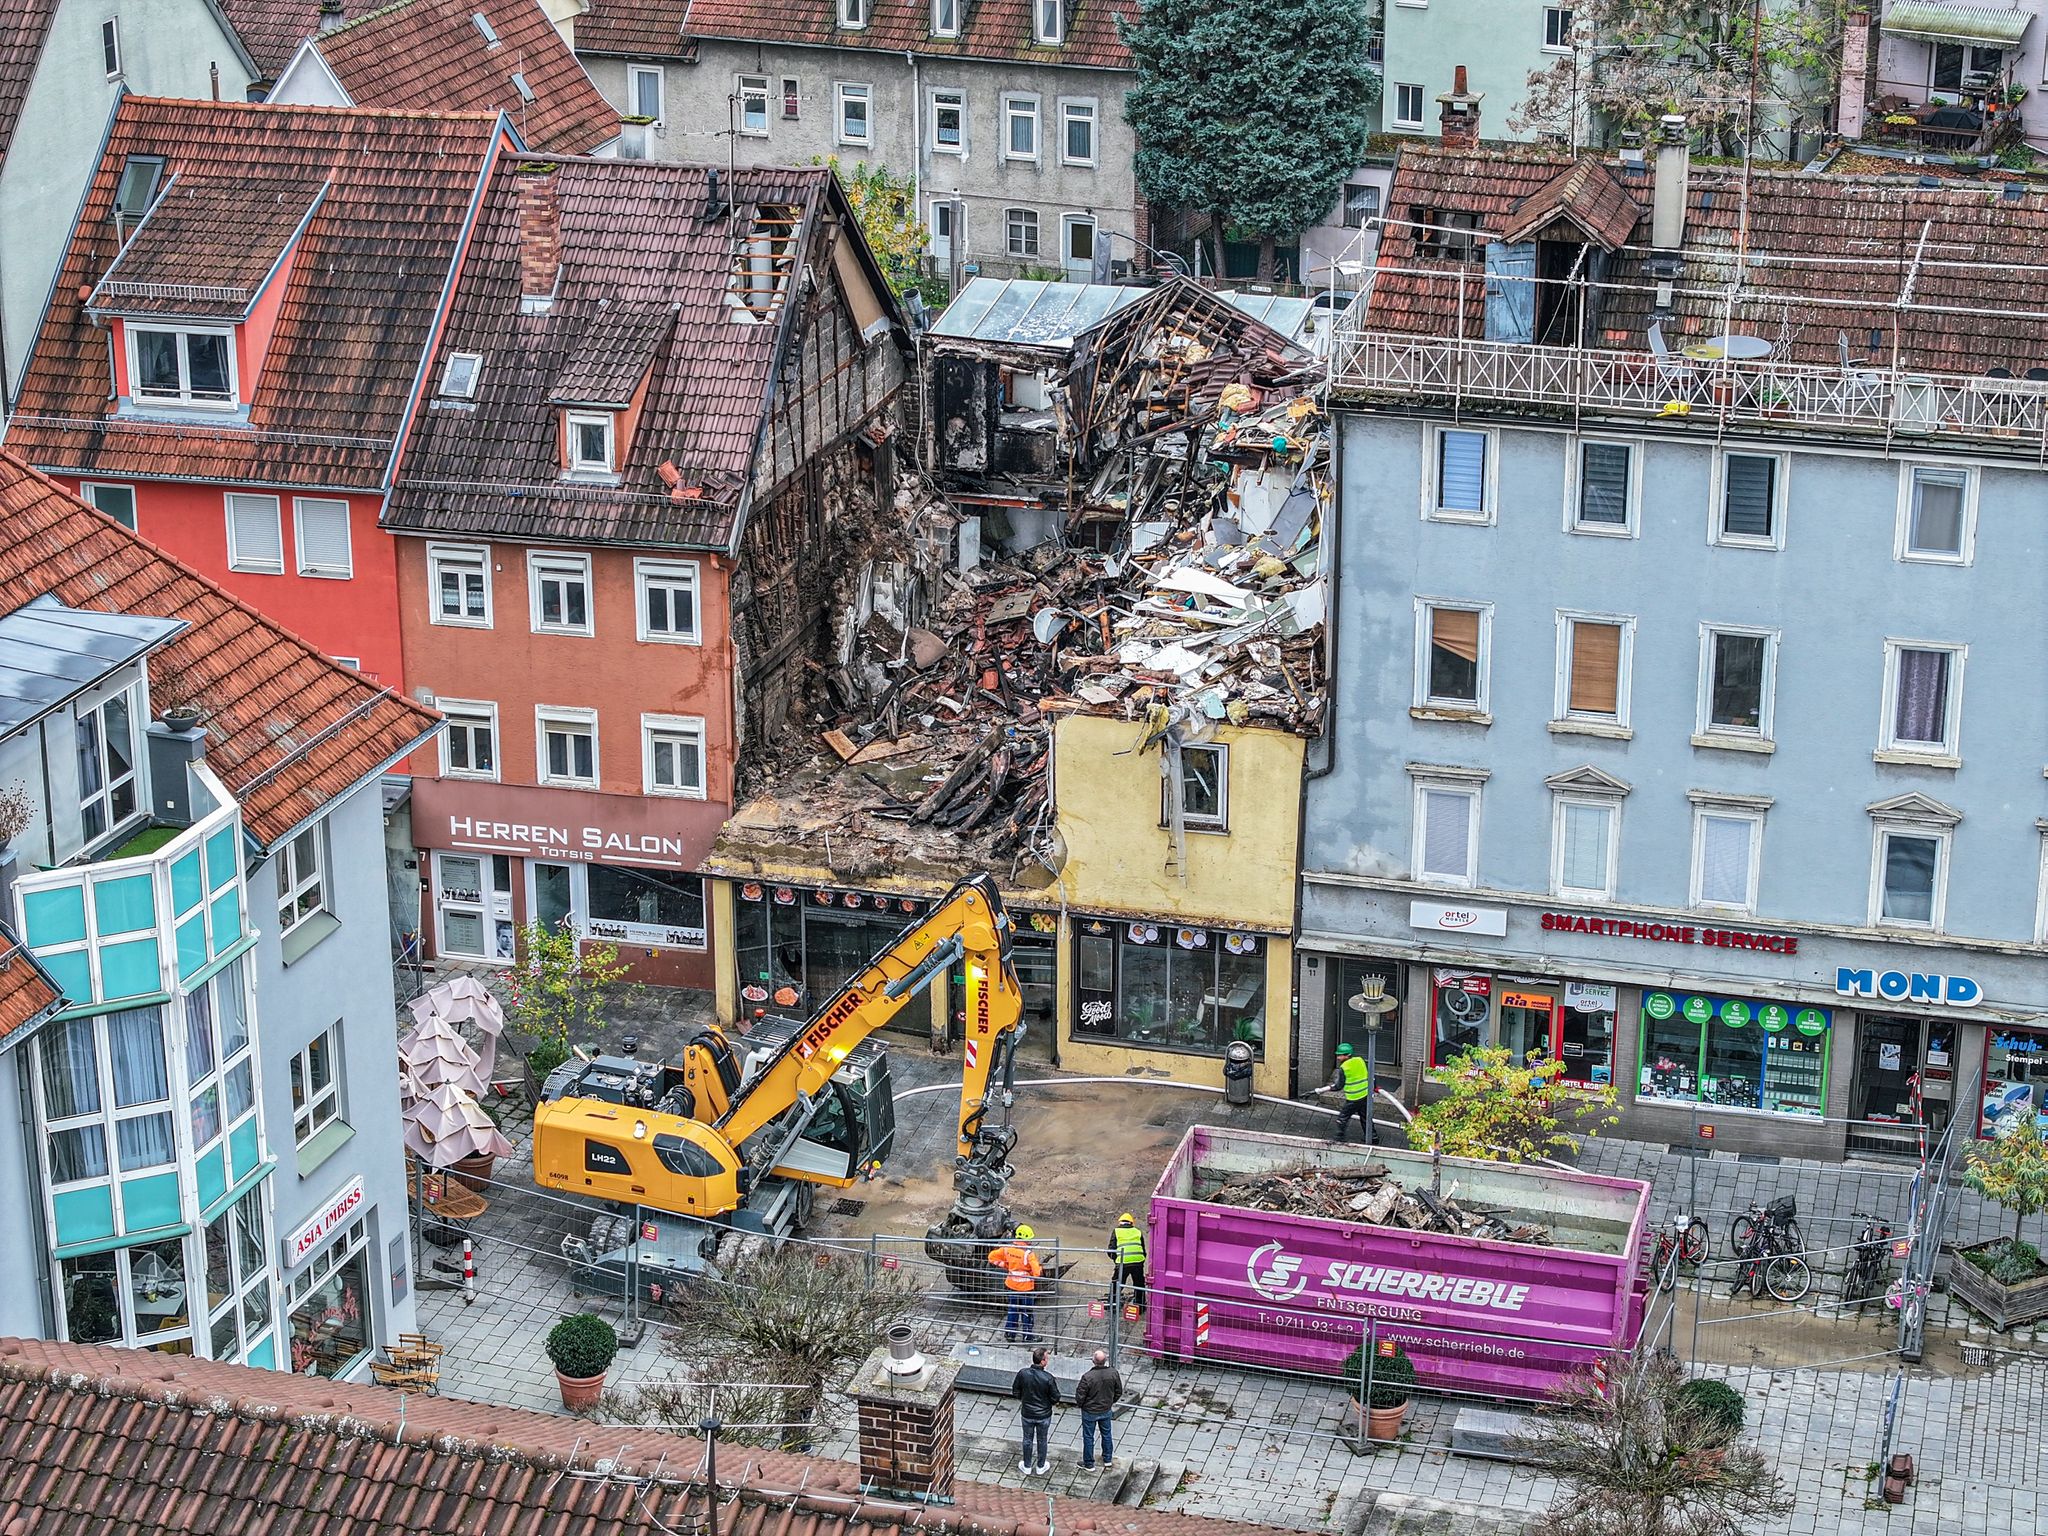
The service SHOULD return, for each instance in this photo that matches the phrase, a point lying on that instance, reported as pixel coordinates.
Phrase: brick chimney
(906, 1420)
(1459, 117)
(540, 236)
(1852, 102)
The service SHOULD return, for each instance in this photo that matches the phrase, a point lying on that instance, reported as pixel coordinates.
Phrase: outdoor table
(1734, 349)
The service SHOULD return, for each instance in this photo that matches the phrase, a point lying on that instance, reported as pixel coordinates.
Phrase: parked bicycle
(1777, 1224)
(1869, 1263)
(1682, 1241)
(1766, 1240)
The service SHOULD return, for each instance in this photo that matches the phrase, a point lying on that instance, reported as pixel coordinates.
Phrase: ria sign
(1908, 986)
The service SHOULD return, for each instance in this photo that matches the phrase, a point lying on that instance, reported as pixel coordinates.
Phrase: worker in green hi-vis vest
(1127, 1250)
(1351, 1076)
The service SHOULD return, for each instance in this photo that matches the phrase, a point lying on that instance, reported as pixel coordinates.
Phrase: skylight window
(519, 84)
(484, 26)
(459, 375)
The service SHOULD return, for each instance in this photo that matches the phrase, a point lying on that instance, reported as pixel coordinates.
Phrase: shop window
(646, 906)
(1738, 670)
(1461, 1008)
(1461, 489)
(329, 1306)
(1724, 858)
(1734, 1053)
(107, 794)
(316, 1086)
(471, 905)
(1452, 646)
(1585, 1033)
(469, 746)
(1171, 989)
(1937, 514)
(1750, 504)
(1447, 833)
(1593, 664)
(1605, 491)
(559, 587)
(1584, 852)
(2015, 1098)
(1923, 687)
(460, 584)
(568, 745)
(136, 1296)
(1911, 878)
(1204, 790)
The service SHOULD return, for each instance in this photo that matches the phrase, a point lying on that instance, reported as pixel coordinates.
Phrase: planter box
(2003, 1306)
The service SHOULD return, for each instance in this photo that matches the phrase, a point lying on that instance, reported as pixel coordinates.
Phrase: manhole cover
(848, 1207)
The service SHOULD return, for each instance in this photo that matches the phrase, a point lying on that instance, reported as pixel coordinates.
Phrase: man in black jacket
(1096, 1398)
(1037, 1395)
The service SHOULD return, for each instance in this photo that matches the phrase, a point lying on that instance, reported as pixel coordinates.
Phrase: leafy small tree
(563, 990)
(2012, 1171)
(1505, 1110)
(885, 205)
(1253, 113)
(1647, 1458)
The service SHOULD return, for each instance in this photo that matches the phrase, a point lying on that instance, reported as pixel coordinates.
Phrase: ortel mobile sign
(1280, 1276)
(1907, 986)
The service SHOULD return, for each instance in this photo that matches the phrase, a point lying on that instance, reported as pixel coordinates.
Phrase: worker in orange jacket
(1021, 1270)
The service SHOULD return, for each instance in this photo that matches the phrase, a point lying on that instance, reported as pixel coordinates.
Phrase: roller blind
(1461, 472)
(1724, 860)
(323, 538)
(1446, 833)
(1585, 835)
(1596, 669)
(1748, 494)
(255, 541)
(1603, 484)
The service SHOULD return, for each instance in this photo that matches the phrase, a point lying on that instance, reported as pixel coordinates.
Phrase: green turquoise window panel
(130, 969)
(220, 857)
(227, 919)
(211, 1167)
(262, 1354)
(54, 916)
(192, 955)
(188, 882)
(126, 905)
(72, 973)
(243, 1150)
(83, 1215)
(150, 1202)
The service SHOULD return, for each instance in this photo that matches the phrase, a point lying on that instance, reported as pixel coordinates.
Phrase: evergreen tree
(1253, 113)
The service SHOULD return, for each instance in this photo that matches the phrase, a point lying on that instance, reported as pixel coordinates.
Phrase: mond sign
(1907, 986)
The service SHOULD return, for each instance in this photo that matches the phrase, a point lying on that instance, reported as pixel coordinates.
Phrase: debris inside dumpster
(1371, 1195)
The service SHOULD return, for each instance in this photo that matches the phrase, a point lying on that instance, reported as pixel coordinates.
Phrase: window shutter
(1511, 292)
(1446, 829)
(1724, 860)
(323, 537)
(1603, 484)
(1461, 472)
(1751, 483)
(258, 538)
(1585, 846)
(1596, 669)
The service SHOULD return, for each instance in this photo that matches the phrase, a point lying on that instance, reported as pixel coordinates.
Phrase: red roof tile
(357, 309)
(273, 29)
(26, 991)
(95, 1439)
(220, 233)
(995, 29)
(23, 26)
(430, 56)
(288, 730)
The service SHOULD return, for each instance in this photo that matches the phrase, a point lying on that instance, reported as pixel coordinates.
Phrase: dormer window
(182, 367)
(590, 442)
(1049, 22)
(946, 18)
(853, 14)
(459, 375)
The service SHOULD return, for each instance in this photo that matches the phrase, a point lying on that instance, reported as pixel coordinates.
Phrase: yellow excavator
(737, 1133)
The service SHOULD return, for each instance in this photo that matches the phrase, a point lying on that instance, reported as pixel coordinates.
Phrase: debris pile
(1372, 1195)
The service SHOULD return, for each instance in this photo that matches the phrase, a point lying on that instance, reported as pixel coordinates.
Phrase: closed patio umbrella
(447, 1125)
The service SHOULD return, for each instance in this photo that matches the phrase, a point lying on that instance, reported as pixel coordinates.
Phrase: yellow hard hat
(1127, 1220)
(1026, 1233)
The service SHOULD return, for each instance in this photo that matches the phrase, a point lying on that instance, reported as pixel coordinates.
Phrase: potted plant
(1393, 1384)
(2004, 1279)
(581, 1348)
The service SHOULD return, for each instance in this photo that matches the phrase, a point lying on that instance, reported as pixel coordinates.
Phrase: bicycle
(1785, 1275)
(1865, 1281)
(1779, 1218)
(1683, 1241)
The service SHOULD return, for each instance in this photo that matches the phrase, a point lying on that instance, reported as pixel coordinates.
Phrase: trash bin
(1237, 1072)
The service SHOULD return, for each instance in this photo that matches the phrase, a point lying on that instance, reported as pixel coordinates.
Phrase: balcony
(2006, 416)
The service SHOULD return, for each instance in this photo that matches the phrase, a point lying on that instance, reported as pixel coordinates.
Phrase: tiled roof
(994, 29)
(26, 991)
(357, 309)
(612, 357)
(273, 29)
(23, 26)
(633, 233)
(430, 56)
(96, 1440)
(288, 730)
(1826, 256)
(641, 29)
(220, 234)
(1588, 195)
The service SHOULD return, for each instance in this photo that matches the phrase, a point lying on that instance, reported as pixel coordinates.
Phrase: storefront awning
(1943, 21)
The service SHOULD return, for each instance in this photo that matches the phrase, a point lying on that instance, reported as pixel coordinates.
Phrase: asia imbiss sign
(331, 1218)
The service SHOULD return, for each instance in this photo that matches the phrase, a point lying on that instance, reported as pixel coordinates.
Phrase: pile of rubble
(1372, 1196)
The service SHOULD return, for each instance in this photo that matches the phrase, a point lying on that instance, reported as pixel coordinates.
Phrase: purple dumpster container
(1475, 1315)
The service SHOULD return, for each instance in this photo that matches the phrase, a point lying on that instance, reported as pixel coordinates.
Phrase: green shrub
(2009, 1261)
(1717, 1405)
(583, 1345)
(1393, 1377)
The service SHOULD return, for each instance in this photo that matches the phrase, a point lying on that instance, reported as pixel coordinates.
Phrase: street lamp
(1372, 1005)
(1168, 259)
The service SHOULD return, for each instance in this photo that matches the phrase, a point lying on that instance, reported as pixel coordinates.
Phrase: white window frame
(1011, 225)
(575, 718)
(792, 99)
(1193, 823)
(321, 1109)
(103, 763)
(1400, 124)
(673, 574)
(464, 556)
(2041, 889)
(183, 399)
(1881, 835)
(1561, 710)
(1780, 480)
(1701, 811)
(302, 866)
(1948, 751)
(1425, 785)
(946, 17)
(544, 565)
(1423, 699)
(1557, 39)
(1902, 538)
(1489, 478)
(572, 423)
(1078, 111)
(342, 572)
(677, 727)
(853, 14)
(110, 47)
(1018, 107)
(238, 560)
(1049, 23)
(634, 74)
(1631, 525)
(1609, 804)
(754, 86)
(1703, 717)
(844, 91)
(469, 716)
(948, 99)
(85, 494)
(460, 375)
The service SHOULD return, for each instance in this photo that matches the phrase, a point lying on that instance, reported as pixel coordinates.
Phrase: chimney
(1852, 101)
(906, 1420)
(714, 197)
(330, 15)
(636, 138)
(1668, 192)
(1459, 119)
(540, 237)
(175, 744)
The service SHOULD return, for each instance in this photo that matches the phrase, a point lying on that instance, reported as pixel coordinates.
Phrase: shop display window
(795, 946)
(2015, 1083)
(1461, 1007)
(645, 906)
(1586, 1033)
(1173, 989)
(1734, 1053)
(329, 1305)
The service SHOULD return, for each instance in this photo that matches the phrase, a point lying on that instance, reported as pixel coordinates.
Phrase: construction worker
(1021, 1270)
(1352, 1077)
(1127, 1252)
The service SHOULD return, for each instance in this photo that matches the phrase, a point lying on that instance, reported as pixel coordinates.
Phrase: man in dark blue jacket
(1037, 1395)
